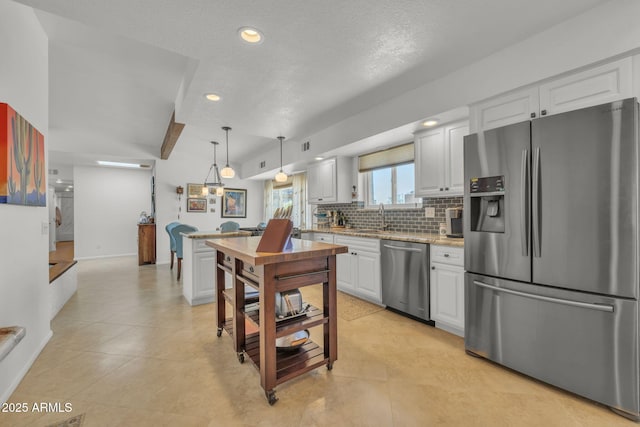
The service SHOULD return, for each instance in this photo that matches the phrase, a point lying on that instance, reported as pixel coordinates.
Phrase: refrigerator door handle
(600, 307)
(524, 199)
(536, 203)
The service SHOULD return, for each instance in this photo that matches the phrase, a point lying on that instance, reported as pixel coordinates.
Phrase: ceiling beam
(171, 137)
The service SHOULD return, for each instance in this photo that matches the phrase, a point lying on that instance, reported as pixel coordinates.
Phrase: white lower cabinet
(358, 270)
(198, 266)
(447, 288)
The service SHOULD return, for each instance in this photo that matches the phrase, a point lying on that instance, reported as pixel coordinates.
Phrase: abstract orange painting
(22, 169)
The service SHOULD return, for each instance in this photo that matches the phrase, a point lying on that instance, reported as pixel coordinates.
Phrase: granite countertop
(9, 338)
(430, 238)
(215, 234)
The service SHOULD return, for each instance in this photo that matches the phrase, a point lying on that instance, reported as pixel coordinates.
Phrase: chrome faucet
(383, 225)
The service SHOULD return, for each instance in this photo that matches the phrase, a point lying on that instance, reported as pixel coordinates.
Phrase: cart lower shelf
(289, 364)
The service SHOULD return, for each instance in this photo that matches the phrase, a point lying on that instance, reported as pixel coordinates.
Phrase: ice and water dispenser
(487, 204)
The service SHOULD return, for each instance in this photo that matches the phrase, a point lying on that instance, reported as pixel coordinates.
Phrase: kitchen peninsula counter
(306, 263)
(198, 264)
(429, 238)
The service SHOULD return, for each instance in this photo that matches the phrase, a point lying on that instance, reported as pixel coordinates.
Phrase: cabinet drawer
(447, 255)
(323, 237)
(200, 245)
(250, 272)
(359, 243)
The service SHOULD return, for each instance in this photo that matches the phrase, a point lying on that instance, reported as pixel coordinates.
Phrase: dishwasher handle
(402, 248)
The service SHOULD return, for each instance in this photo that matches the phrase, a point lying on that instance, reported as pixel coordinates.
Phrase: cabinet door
(447, 295)
(505, 110)
(203, 272)
(322, 181)
(345, 272)
(599, 85)
(368, 283)
(429, 163)
(454, 145)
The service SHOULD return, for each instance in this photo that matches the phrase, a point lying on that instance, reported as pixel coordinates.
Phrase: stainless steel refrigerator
(551, 250)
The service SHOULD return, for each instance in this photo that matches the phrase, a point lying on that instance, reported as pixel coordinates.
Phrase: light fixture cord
(227, 132)
(280, 138)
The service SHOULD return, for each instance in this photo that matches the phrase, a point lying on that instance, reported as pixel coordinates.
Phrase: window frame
(368, 194)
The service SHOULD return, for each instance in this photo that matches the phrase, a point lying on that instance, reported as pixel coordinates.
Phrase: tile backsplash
(411, 220)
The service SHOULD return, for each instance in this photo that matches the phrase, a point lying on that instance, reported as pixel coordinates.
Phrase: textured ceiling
(117, 66)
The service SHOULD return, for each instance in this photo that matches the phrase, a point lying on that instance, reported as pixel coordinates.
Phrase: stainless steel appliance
(454, 223)
(405, 277)
(551, 251)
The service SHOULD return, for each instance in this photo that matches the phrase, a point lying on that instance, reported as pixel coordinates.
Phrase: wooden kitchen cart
(254, 332)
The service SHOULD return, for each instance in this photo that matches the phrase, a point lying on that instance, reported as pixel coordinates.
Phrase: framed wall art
(194, 190)
(22, 169)
(234, 203)
(196, 205)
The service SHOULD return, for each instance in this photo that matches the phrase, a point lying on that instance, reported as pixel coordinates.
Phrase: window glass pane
(282, 198)
(381, 186)
(405, 183)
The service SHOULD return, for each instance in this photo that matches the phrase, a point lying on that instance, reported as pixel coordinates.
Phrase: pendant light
(227, 171)
(281, 176)
(219, 186)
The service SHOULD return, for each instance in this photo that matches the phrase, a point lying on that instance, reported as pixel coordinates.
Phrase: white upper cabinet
(330, 180)
(598, 85)
(439, 161)
(606, 83)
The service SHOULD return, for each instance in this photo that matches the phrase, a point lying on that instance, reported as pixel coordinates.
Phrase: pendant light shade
(227, 171)
(217, 181)
(281, 176)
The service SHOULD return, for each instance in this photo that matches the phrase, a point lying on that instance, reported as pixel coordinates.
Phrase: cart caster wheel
(241, 357)
(329, 366)
(219, 332)
(271, 397)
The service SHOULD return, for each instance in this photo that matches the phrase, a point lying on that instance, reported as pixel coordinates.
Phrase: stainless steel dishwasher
(405, 278)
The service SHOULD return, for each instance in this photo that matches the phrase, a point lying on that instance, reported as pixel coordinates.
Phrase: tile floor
(127, 350)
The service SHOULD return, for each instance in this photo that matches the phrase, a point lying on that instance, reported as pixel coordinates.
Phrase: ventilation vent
(53, 171)
(263, 164)
(306, 146)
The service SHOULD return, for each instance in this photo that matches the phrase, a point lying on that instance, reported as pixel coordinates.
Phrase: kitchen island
(307, 263)
(198, 264)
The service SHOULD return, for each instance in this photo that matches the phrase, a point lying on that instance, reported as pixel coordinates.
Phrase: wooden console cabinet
(146, 244)
(254, 332)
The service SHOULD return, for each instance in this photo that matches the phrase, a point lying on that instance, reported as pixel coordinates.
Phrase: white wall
(190, 165)
(107, 205)
(24, 285)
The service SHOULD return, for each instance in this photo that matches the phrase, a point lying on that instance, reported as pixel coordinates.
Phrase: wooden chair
(175, 231)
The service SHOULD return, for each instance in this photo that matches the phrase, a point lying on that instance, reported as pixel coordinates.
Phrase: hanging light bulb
(227, 171)
(281, 176)
(219, 191)
(216, 175)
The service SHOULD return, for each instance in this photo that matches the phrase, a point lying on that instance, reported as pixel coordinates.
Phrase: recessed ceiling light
(251, 35)
(319, 158)
(213, 97)
(121, 164)
(430, 123)
(58, 181)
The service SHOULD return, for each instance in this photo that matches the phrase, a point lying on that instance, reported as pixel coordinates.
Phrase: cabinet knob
(533, 115)
(441, 189)
(543, 112)
(319, 200)
(446, 188)
(251, 269)
(433, 268)
(446, 255)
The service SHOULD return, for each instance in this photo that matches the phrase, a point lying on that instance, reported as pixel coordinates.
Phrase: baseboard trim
(77, 258)
(14, 385)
